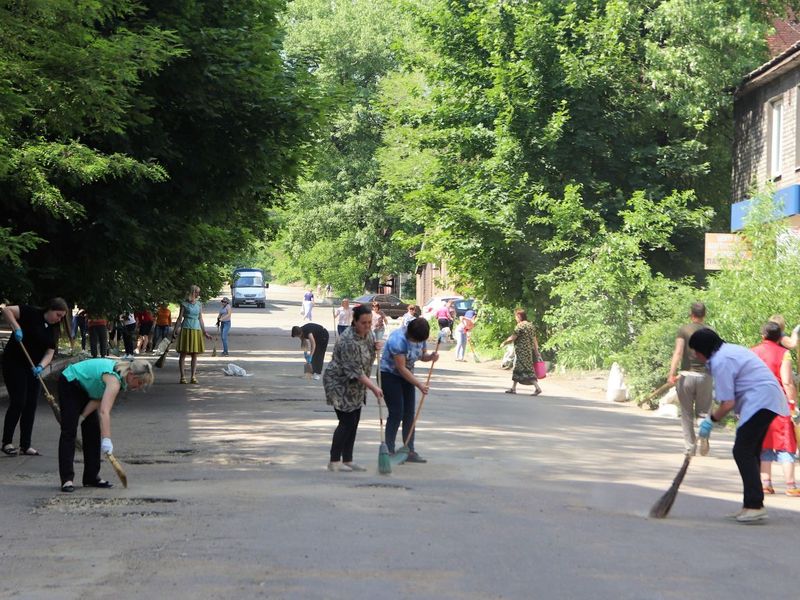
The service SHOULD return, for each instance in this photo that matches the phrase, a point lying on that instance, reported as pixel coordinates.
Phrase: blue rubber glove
(106, 447)
(705, 427)
(37, 370)
(18, 334)
(307, 357)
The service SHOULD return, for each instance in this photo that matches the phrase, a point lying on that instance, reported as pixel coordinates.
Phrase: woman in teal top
(88, 389)
(190, 339)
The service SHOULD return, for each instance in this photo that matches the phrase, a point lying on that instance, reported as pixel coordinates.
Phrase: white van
(248, 287)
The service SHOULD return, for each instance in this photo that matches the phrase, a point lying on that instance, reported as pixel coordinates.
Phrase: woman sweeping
(190, 339)
(526, 349)
(315, 336)
(346, 381)
(87, 390)
(34, 330)
(403, 348)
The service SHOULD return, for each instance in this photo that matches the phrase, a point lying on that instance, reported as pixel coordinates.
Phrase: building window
(775, 137)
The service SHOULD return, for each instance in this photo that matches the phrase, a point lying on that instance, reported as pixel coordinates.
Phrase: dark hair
(418, 330)
(296, 331)
(772, 331)
(359, 311)
(706, 341)
(521, 314)
(698, 310)
(59, 304)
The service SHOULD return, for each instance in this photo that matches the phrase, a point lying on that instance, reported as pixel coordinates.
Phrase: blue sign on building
(787, 203)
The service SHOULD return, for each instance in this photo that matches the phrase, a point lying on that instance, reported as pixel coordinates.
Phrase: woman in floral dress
(526, 350)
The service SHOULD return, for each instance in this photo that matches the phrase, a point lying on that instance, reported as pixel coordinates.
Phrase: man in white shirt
(744, 384)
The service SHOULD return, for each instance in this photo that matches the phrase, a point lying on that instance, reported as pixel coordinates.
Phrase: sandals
(100, 483)
(67, 487)
(536, 393)
(29, 452)
(768, 489)
(510, 391)
(183, 380)
(193, 380)
(9, 449)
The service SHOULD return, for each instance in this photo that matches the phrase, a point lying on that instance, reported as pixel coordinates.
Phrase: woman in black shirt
(37, 330)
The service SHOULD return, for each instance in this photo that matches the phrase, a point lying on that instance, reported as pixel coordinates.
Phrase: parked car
(435, 303)
(389, 303)
(463, 305)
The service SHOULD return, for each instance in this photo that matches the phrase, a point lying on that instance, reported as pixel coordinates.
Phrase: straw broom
(662, 507)
(118, 469)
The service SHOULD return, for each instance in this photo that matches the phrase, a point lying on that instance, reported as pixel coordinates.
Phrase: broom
(472, 348)
(384, 462)
(118, 469)
(658, 392)
(401, 455)
(662, 507)
(160, 362)
(48, 396)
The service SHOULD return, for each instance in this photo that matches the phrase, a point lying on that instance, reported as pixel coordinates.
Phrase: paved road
(522, 498)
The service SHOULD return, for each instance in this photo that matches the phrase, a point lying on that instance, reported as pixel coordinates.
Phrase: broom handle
(422, 400)
(380, 405)
(660, 390)
(30, 361)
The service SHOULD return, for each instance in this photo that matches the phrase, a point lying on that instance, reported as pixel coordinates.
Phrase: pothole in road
(391, 486)
(182, 451)
(149, 461)
(105, 507)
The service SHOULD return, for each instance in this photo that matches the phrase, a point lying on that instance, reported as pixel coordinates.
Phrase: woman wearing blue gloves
(87, 390)
(744, 384)
(35, 331)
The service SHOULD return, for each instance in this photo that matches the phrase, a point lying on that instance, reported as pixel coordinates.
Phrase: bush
(494, 324)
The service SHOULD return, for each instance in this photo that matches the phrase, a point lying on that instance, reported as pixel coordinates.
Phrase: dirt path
(522, 498)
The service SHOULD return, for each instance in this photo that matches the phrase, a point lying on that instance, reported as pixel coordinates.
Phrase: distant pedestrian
(163, 323)
(35, 331)
(403, 348)
(692, 382)
(465, 325)
(787, 341)
(192, 331)
(87, 390)
(526, 351)
(128, 322)
(344, 316)
(97, 325)
(328, 290)
(79, 324)
(318, 336)
(780, 444)
(413, 313)
(308, 305)
(445, 316)
(744, 384)
(144, 326)
(346, 381)
(378, 321)
(224, 323)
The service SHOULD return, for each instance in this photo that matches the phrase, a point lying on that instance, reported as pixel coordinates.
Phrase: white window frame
(775, 119)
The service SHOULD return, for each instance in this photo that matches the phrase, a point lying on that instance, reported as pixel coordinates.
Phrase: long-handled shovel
(401, 455)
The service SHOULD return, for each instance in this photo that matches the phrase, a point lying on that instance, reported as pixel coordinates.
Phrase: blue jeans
(461, 343)
(161, 332)
(400, 398)
(224, 328)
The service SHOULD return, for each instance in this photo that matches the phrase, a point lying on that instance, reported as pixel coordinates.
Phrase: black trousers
(73, 399)
(98, 340)
(747, 454)
(23, 395)
(128, 333)
(344, 438)
(318, 358)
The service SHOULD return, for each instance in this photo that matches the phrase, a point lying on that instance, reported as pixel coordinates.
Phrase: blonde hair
(139, 367)
(193, 289)
(779, 320)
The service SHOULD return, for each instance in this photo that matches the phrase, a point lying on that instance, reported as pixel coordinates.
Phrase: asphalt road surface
(522, 497)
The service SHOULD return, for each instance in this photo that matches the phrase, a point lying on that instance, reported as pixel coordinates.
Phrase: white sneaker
(337, 466)
(751, 515)
(316, 376)
(735, 515)
(703, 446)
(354, 467)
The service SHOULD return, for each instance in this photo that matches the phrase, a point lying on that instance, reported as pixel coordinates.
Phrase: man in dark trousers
(318, 336)
(744, 384)
(692, 382)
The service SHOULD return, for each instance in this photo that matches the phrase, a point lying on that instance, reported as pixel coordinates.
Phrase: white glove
(106, 447)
